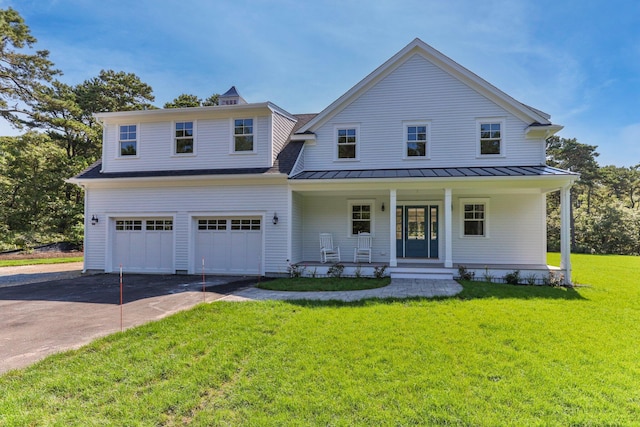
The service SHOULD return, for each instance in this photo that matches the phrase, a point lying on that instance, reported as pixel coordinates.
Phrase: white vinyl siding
(183, 203)
(281, 129)
(515, 235)
(414, 90)
(327, 214)
(156, 147)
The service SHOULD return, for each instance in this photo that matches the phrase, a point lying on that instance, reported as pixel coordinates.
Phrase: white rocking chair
(363, 251)
(327, 251)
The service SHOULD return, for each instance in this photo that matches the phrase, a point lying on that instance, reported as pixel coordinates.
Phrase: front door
(417, 231)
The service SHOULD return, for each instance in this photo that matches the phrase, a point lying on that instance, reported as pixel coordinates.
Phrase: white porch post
(565, 232)
(448, 232)
(393, 256)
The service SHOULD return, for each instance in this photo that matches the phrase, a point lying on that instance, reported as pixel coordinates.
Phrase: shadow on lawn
(471, 291)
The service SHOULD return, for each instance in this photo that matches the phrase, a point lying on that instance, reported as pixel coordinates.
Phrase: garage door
(143, 245)
(228, 245)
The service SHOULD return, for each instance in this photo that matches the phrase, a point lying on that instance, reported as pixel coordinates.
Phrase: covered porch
(428, 228)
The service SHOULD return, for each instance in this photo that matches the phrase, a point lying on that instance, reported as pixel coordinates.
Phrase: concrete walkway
(399, 288)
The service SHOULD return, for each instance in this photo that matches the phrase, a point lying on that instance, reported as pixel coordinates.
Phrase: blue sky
(576, 60)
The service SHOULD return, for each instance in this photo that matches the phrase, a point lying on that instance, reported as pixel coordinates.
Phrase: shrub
(379, 271)
(464, 274)
(531, 279)
(554, 279)
(512, 278)
(335, 270)
(295, 270)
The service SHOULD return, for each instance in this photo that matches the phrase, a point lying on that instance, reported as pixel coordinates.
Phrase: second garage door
(228, 245)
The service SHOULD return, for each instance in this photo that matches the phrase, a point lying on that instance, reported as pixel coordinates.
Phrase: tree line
(61, 138)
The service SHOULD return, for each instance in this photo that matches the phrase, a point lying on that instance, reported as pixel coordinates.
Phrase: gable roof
(417, 46)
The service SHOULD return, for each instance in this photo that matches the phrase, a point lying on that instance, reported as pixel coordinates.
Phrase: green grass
(35, 261)
(495, 355)
(307, 284)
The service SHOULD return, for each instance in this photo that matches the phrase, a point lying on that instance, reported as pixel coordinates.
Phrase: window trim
(232, 146)
(361, 202)
(475, 201)
(405, 139)
(174, 138)
(119, 154)
(346, 126)
(491, 120)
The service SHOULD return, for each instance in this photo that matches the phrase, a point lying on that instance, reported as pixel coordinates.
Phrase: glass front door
(417, 231)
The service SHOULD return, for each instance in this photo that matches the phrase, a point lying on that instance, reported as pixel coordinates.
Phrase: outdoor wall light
(382, 207)
(94, 220)
(275, 218)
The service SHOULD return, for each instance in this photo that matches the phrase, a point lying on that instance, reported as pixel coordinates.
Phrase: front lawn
(495, 355)
(35, 261)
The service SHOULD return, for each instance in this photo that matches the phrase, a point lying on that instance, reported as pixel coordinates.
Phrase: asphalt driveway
(39, 319)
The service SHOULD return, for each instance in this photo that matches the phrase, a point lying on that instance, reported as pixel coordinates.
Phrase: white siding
(418, 90)
(155, 150)
(282, 127)
(184, 202)
(331, 215)
(516, 232)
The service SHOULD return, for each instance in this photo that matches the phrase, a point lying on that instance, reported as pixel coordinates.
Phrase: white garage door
(143, 245)
(228, 245)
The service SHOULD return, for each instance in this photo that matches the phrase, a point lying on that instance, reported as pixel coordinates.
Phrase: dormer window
(128, 140)
(243, 136)
(184, 141)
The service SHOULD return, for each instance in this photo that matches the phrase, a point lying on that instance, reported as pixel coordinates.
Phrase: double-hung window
(474, 217)
(184, 137)
(491, 137)
(347, 143)
(128, 140)
(243, 136)
(416, 138)
(360, 216)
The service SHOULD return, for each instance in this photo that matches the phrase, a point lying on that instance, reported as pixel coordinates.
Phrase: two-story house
(442, 168)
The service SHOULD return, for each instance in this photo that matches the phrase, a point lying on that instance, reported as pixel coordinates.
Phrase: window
(474, 217)
(243, 135)
(128, 225)
(128, 140)
(415, 140)
(212, 224)
(360, 217)
(347, 142)
(491, 136)
(184, 138)
(245, 224)
(159, 225)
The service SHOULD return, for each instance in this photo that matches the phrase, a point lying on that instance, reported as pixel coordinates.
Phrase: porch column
(565, 232)
(448, 232)
(393, 260)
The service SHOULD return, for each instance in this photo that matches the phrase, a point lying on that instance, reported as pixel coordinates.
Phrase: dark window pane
(347, 152)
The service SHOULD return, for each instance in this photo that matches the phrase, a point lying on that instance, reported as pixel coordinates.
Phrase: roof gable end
(417, 46)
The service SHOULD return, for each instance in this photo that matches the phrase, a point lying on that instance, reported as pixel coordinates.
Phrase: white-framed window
(416, 140)
(474, 218)
(184, 139)
(159, 224)
(490, 132)
(127, 140)
(347, 139)
(361, 217)
(129, 225)
(243, 136)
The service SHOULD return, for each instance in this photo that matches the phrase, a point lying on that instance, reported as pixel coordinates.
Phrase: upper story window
(243, 136)
(491, 137)
(184, 137)
(347, 139)
(128, 140)
(416, 138)
(474, 217)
